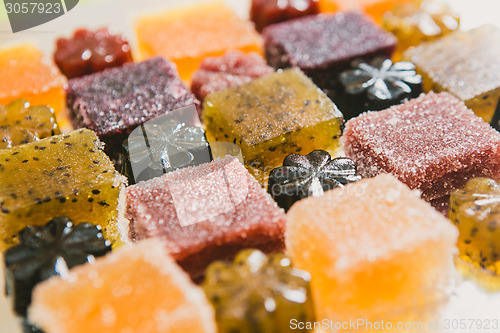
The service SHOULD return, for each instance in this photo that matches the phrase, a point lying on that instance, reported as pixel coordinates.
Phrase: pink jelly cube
(433, 143)
(204, 213)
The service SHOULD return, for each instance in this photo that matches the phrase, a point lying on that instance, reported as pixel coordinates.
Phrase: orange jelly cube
(373, 8)
(135, 289)
(27, 74)
(188, 35)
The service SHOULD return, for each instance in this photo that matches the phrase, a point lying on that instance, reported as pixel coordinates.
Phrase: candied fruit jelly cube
(419, 21)
(267, 12)
(43, 250)
(9, 321)
(22, 123)
(464, 64)
(373, 8)
(88, 52)
(205, 213)
(253, 294)
(133, 289)
(171, 141)
(324, 45)
(432, 143)
(130, 94)
(379, 251)
(495, 122)
(310, 175)
(64, 175)
(231, 69)
(377, 86)
(27, 74)
(272, 117)
(210, 28)
(475, 210)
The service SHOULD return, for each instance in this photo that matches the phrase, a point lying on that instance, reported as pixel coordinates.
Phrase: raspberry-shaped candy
(89, 52)
(302, 176)
(49, 250)
(258, 293)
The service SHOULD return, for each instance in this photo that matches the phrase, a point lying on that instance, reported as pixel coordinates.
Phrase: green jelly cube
(64, 175)
(272, 117)
(464, 64)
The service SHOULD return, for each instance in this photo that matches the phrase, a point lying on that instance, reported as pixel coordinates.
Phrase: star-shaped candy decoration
(310, 175)
(164, 144)
(48, 250)
(377, 86)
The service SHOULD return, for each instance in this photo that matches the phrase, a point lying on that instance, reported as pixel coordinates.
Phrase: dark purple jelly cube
(114, 102)
(324, 45)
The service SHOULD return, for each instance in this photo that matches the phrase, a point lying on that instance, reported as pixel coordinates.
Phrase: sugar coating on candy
(115, 101)
(323, 45)
(272, 117)
(265, 12)
(27, 74)
(189, 34)
(204, 213)
(374, 250)
(432, 143)
(258, 291)
(22, 123)
(64, 175)
(233, 68)
(133, 289)
(464, 64)
(87, 52)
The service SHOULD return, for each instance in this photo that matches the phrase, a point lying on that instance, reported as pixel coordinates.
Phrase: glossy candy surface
(265, 12)
(272, 117)
(322, 46)
(254, 293)
(419, 21)
(129, 98)
(377, 86)
(22, 123)
(48, 250)
(465, 64)
(310, 175)
(87, 52)
(231, 69)
(189, 34)
(374, 250)
(136, 288)
(64, 175)
(475, 210)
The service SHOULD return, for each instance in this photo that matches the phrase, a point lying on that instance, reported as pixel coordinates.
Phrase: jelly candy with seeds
(475, 210)
(258, 293)
(21, 123)
(88, 52)
(44, 251)
(64, 175)
(166, 143)
(309, 175)
(265, 12)
(377, 86)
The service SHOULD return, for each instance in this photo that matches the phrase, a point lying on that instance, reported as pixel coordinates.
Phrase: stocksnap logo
(25, 14)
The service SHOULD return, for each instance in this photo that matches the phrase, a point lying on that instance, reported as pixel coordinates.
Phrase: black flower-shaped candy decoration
(49, 250)
(310, 175)
(377, 86)
(157, 148)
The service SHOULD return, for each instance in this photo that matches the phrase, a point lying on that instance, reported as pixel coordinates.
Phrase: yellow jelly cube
(188, 35)
(419, 21)
(27, 74)
(64, 175)
(464, 64)
(375, 250)
(271, 117)
(135, 289)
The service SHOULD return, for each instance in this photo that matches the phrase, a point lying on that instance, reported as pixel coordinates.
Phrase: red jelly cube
(89, 52)
(266, 12)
